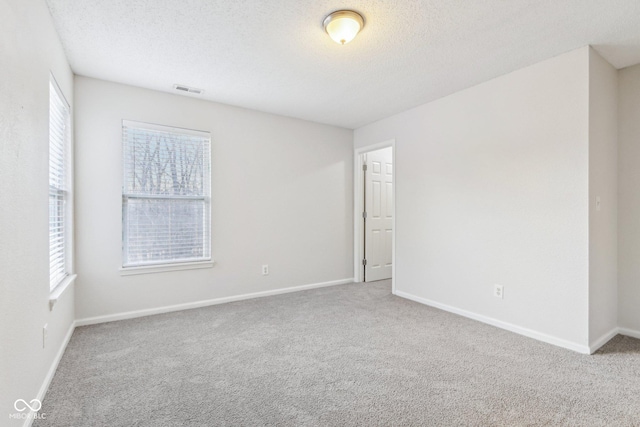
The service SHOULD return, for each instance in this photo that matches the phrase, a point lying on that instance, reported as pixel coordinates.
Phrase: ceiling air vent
(184, 88)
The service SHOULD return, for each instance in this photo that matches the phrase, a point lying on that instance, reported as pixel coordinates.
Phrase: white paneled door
(379, 214)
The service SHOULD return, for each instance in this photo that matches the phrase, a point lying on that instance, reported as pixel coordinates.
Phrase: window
(59, 186)
(165, 195)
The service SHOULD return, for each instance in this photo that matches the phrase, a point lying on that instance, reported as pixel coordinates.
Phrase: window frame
(173, 264)
(56, 288)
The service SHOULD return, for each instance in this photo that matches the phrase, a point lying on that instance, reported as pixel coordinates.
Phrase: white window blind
(59, 146)
(165, 195)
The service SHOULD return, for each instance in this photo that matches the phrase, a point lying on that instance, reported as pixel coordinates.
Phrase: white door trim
(358, 205)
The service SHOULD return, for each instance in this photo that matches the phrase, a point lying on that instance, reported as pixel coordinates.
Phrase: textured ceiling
(273, 55)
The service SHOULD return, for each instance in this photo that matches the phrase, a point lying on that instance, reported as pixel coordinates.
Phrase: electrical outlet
(44, 335)
(498, 291)
(265, 270)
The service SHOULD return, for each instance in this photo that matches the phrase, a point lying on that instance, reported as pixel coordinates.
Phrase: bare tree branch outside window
(166, 195)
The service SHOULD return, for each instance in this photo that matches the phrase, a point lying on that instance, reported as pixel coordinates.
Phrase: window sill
(59, 290)
(148, 269)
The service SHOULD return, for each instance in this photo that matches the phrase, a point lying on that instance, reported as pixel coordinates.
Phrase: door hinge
(364, 167)
(364, 262)
(364, 215)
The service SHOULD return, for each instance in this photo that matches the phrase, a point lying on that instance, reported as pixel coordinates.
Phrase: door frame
(358, 208)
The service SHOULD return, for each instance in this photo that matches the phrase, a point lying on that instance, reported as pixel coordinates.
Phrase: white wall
(282, 195)
(30, 49)
(492, 187)
(603, 184)
(629, 199)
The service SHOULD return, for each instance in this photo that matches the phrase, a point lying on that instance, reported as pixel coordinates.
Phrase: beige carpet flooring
(339, 356)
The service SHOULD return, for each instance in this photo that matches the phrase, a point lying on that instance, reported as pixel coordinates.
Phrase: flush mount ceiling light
(343, 25)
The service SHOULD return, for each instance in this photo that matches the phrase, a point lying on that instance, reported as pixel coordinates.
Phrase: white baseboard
(51, 372)
(629, 332)
(603, 340)
(205, 303)
(612, 333)
(580, 348)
